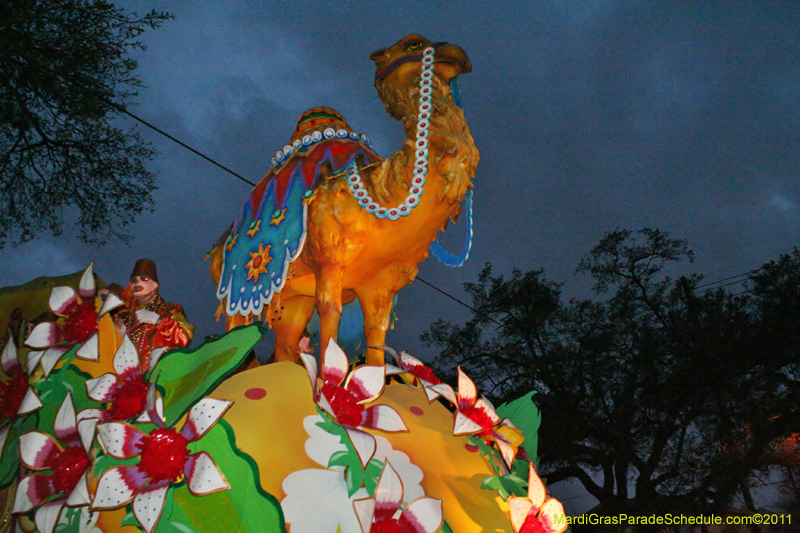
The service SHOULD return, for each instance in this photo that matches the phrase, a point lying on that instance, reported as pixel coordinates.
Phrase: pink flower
(345, 404)
(413, 370)
(478, 417)
(126, 390)
(164, 459)
(53, 339)
(537, 513)
(376, 515)
(69, 465)
(17, 397)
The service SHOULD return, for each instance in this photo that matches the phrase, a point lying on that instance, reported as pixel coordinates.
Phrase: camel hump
(318, 119)
(270, 232)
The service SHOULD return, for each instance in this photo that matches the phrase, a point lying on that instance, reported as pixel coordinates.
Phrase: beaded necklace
(357, 188)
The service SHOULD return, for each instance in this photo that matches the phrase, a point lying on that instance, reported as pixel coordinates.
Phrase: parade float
(94, 440)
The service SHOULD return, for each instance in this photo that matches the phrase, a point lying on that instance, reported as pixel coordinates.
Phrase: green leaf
(10, 463)
(491, 483)
(70, 520)
(187, 375)
(479, 443)
(514, 485)
(130, 520)
(353, 481)
(340, 458)
(524, 414)
(355, 475)
(506, 485)
(519, 468)
(52, 391)
(371, 475)
(245, 504)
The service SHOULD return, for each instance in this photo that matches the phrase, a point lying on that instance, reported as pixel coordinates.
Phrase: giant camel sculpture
(332, 221)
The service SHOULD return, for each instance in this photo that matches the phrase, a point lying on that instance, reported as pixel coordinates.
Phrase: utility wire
(711, 289)
(168, 136)
(744, 276)
(725, 279)
(153, 127)
(122, 109)
(158, 130)
(462, 303)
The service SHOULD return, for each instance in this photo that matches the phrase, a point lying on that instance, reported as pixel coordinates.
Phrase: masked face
(143, 287)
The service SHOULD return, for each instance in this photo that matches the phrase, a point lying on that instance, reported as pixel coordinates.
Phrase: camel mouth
(445, 54)
(450, 54)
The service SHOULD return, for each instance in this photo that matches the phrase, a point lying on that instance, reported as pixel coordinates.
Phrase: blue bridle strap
(448, 258)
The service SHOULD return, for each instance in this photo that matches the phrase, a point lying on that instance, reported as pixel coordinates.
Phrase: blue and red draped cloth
(271, 229)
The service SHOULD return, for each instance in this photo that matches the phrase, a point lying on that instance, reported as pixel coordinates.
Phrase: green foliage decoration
(245, 503)
(186, 375)
(355, 474)
(524, 414)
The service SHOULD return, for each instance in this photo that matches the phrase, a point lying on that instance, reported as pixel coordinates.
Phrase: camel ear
(377, 55)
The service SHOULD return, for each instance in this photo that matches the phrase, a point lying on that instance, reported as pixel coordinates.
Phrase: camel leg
(289, 328)
(215, 267)
(328, 301)
(376, 304)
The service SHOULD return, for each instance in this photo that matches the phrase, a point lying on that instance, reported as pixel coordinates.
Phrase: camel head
(397, 70)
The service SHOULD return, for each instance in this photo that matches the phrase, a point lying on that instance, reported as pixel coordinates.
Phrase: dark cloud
(588, 115)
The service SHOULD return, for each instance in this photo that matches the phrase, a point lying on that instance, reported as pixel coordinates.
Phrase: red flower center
(533, 525)
(130, 399)
(11, 395)
(164, 454)
(80, 323)
(480, 417)
(423, 372)
(68, 467)
(345, 404)
(390, 525)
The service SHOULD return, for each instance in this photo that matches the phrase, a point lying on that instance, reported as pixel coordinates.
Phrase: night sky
(682, 116)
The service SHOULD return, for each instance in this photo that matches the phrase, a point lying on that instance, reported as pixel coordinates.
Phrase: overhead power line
(174, 139)
(167, 135)
(460, 302)
(732, 280)
(726, 279)
(706, 286)
(123, 110)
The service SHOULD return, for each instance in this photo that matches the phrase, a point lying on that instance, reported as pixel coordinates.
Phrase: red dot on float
(417, 411)
(255, 394)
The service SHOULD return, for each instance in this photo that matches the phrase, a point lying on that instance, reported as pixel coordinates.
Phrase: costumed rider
(150, 321)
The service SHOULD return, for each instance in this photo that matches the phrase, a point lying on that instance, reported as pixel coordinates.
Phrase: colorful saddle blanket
(271, 229)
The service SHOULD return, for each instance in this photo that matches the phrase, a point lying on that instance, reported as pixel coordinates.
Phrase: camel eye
(414, 45)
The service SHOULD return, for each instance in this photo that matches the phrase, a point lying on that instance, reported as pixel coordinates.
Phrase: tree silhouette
(65, 75)
(656, 397)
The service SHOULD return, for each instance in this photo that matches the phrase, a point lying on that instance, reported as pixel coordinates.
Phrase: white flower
(317, 500)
